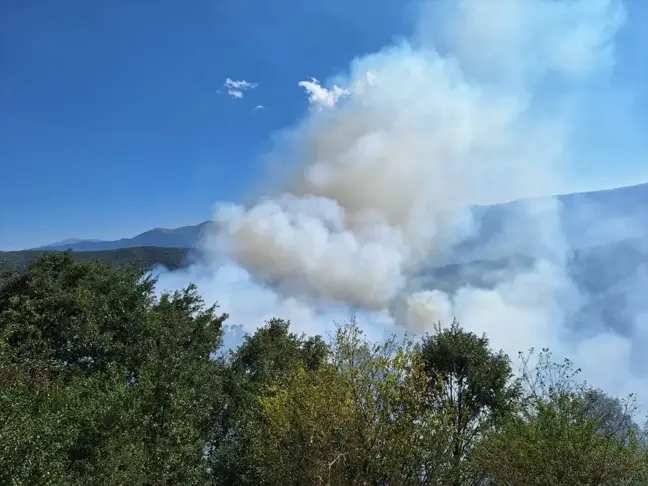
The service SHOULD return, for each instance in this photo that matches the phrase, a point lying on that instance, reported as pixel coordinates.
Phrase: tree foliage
(568, 433)
(471, 387)
(102, 381)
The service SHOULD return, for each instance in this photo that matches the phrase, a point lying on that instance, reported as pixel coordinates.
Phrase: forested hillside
(102, 382)
(143, 257)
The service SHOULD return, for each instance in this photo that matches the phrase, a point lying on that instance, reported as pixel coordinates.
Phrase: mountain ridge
(590, 218)
(181, 237)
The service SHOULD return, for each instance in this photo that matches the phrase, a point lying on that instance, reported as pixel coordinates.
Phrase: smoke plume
(481, 106)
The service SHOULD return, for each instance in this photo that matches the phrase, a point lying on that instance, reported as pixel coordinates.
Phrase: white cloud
(236, 89)
(258, 107)
(321, 96)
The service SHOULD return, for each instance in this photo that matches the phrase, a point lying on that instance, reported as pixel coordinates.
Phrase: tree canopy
(102, 381)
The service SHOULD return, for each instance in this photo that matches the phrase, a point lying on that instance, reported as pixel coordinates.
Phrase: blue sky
(111, 122)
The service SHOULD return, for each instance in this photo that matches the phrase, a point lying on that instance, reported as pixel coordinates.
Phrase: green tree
(566, 433)
(472, 386)
(101, 382)
(358, 419)
(305, 427)
(268, 358)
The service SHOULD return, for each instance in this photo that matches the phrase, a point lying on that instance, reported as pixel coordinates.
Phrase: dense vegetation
(144, 257)
(103, 382)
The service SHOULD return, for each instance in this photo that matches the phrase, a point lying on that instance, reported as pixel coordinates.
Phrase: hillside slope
(586, 219)
(145, 257)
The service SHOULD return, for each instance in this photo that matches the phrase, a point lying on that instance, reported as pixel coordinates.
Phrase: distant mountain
(584, 220)
(183, 237)
(588, 219)
(72, 241)
(596, 218)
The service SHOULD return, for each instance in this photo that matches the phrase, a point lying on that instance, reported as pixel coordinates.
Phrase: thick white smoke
(387, 177)
(393, 157)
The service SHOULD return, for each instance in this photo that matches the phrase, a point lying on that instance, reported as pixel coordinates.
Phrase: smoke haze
(481, 106)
